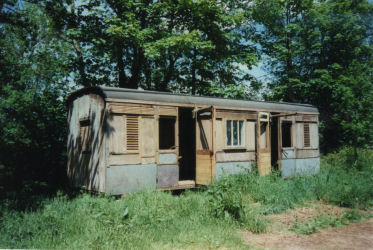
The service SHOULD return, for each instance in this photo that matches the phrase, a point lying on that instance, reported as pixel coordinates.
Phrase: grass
(326, 221)
(211, 217)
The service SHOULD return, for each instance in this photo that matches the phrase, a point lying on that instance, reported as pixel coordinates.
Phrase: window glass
(241, 133)
(229, 133)
(235, 132)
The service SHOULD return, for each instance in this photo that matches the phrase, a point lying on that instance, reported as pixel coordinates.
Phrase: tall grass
(205, 218)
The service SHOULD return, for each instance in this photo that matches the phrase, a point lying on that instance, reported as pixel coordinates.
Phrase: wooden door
(205, 156)
(263, 144)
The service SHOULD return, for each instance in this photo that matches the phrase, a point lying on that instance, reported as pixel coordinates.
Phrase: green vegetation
(208, 217)
(325, 221)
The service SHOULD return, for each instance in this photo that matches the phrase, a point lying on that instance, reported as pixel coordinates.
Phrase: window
(167, 132)
(307, 139)
(132, 132)
(85, 135)
(235, 133)
(286, 134)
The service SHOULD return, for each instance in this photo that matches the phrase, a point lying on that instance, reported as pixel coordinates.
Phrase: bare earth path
(354, 236)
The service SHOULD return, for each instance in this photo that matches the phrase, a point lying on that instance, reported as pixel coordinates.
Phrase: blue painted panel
(130, 178)
(288, 153)
(167, 175)
(288, 167)
(292, 167)
(307, 166)
(167, 158)
(226, 168)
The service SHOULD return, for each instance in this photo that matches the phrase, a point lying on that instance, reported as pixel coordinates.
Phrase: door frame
(204, 156)
(264, 154)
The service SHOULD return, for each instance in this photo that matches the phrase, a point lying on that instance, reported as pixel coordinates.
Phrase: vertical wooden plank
(213, 138)
(177, 134)
(314, 135)
(250, 138)
(156, 132)
(147, 137)
(219, 135)
(279, 142)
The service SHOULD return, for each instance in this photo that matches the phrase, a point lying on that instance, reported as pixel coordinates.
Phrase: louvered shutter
(307, 141)
(132, 129)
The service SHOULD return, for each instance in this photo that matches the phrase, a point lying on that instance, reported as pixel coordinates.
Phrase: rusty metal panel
(167, 175)
(130, 178)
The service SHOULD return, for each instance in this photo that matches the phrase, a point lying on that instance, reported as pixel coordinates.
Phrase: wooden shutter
(132, 129)
(307, 141)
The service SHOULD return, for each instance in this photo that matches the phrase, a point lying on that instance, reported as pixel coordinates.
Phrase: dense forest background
(317, 52)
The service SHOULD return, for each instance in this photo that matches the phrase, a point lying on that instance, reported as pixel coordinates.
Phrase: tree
(33, 77)
(321, 53)
(185, 45)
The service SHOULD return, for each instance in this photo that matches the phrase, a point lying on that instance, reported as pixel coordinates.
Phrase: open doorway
(187, 144)
(274, 143)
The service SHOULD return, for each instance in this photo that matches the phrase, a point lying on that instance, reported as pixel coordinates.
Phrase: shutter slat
(132, 130)
(307, 141)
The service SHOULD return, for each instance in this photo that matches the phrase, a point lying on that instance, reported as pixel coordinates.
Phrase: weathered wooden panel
(204, 134)
(250, 135)
(306, 118)
(117, 134)
(85, 168)
(232, 115)
(167, 111)
(220, 135)
(235, 156)
(298, 135)
(147, 136)
(130, 178)
(314, 133)
(132, 109)
(264, 163)
(147, 160)
(307, 153)
(203, 169)
(124, 159)
(167, 175)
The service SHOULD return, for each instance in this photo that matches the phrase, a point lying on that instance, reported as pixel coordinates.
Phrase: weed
(325, 221)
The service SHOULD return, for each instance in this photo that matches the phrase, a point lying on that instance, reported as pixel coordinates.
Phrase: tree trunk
(121, 75)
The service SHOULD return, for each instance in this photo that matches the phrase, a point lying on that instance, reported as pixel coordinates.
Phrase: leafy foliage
(321, 53)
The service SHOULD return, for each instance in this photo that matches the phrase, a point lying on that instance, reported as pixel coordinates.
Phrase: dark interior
(274, 142)
(187, 144)
(286, 134)
(167, 132)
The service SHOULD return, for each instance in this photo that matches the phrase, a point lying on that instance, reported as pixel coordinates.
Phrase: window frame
(242, 135)
(85, 141)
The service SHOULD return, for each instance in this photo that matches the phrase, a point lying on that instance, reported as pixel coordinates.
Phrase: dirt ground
(354, 236)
